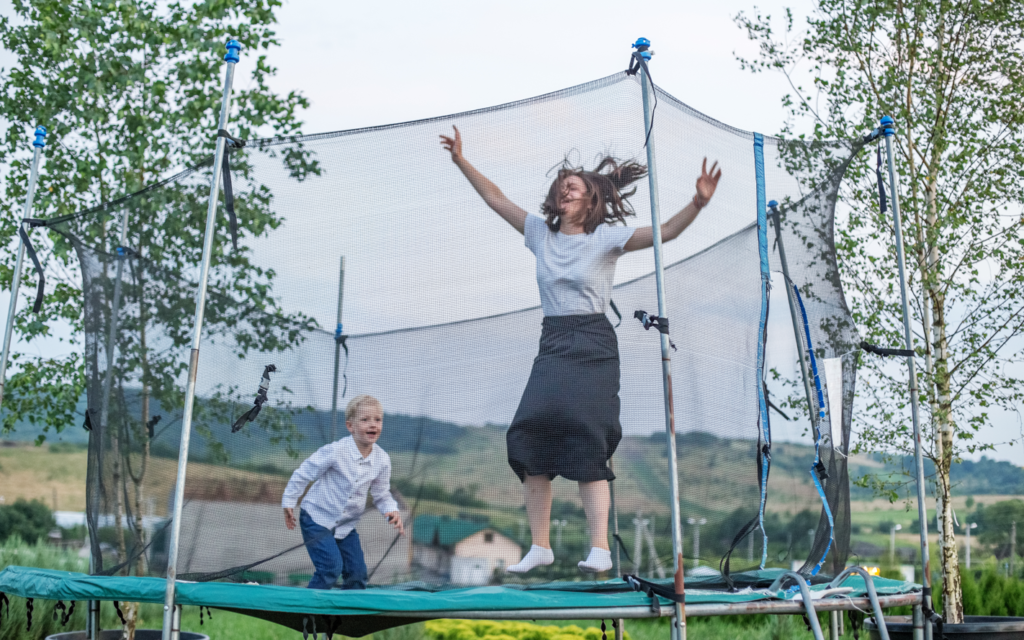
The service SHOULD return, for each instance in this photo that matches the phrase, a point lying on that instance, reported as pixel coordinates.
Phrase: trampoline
(361, 262)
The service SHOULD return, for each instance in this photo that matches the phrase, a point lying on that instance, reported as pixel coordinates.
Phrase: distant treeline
(970, 477)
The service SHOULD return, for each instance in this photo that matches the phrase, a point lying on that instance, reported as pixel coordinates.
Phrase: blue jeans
(332, 557)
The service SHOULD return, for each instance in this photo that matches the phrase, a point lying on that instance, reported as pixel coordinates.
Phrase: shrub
(14, 552)
(479, 629)
(30, 521)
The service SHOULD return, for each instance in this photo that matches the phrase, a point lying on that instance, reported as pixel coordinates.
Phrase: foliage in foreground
(491, 630)
(30, 521)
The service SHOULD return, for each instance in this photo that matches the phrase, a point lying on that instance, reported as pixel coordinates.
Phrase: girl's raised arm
(490, 192)
(670, 230)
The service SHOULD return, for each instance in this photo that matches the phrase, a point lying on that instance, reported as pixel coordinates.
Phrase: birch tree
(951, 73)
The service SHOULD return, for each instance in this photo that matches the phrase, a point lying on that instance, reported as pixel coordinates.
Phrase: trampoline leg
(918, 622)
(92, 620)
(619, 629)
(833, 625)
(170, 610)
(176, 623)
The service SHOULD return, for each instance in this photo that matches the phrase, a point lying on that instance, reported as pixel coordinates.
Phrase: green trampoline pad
(357, 613)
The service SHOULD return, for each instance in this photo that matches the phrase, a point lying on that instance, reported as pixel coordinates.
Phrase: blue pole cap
(641, 42)
(888, 126)
(40, 140)
(772, 204)
(233, 46)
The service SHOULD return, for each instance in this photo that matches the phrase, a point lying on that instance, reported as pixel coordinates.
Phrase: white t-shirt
(575, 272)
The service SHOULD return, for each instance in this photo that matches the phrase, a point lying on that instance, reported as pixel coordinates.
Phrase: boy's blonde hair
(359, 401)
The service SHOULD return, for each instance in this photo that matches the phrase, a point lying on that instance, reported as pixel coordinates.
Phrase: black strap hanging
(41, 287)
(615, 310)
(229, 194)
(67, 614)
(661, 324)
(882, 351)
(5, 602)
(151, 426)
(654, 591)
(87, 425)
(881, 182)
(342, 339)
(622, 546)
(120, 616)
(261, 397)
(29, 606)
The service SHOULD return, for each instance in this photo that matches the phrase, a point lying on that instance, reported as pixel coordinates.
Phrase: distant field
(55, 474)
(34, 473)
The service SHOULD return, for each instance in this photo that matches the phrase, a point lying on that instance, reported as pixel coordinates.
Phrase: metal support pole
(647, 86)
(918, 620)
(176, 623)
(808, 602)
(12, 309)
(616, 556)
(833, 625)
(794, 316)
(231, 58)
(889, 130)
(338, 337)
(869, 585)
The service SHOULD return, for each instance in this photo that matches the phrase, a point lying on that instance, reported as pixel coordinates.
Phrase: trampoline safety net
(441, 321)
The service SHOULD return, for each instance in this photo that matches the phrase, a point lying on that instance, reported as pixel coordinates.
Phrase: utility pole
(1013, 547)
(892, 543)
(973, 525)
(696, 524)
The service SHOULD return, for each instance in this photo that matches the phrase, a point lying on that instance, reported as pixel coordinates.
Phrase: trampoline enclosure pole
(337, 353)
(12, 309)
(800, 347)
(889, 130)
(231, 58)
(678, 620)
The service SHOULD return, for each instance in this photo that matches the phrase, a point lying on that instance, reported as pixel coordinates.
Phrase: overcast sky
(371, 63)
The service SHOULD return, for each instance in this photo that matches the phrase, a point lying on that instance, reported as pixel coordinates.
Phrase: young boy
(342, 473)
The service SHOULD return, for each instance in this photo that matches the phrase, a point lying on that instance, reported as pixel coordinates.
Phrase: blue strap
(762, 246)
(817, 468)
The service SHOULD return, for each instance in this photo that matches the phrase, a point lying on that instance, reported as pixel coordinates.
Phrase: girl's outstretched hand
(706, 184)
(453, 145)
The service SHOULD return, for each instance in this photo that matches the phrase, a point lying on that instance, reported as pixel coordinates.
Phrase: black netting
(441, 323)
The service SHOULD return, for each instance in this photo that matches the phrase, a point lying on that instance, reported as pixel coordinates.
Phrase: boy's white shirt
(342, 477)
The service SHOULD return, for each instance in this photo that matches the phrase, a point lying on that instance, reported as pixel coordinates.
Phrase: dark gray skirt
(567, 423)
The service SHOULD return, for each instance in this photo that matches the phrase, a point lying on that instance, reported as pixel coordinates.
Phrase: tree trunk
(952, 598)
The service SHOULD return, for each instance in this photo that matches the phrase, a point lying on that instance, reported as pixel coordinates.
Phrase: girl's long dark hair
(606, 187)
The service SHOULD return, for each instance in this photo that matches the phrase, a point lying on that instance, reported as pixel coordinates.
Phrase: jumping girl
(567, 423)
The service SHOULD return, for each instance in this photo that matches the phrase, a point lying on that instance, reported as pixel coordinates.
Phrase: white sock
(536, 557)
(599, 560)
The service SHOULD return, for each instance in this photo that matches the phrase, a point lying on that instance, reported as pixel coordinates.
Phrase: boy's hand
(395, 520)
(289, 518)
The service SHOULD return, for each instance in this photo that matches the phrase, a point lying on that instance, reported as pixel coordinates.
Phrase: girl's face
(573, 200)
